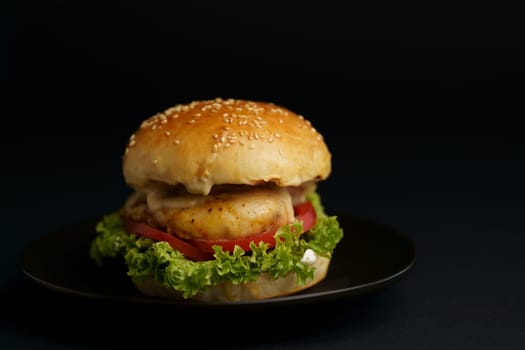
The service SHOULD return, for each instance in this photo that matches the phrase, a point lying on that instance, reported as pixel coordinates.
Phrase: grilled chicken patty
(229, 212)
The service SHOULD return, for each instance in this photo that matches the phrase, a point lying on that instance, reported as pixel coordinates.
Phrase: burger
(224, 205)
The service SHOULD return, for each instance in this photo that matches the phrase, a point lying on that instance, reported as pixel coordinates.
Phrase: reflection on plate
(370, 256)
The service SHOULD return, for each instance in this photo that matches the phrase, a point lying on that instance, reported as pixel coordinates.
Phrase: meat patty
(228, 213)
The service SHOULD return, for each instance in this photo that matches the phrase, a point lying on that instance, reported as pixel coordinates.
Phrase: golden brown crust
(215, 142)
(263, 287)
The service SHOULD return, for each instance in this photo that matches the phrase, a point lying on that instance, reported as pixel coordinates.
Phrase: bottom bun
(264, 287)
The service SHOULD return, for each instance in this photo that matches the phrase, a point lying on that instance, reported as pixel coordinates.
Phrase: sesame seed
(171, 110)
(176, 141)
(167, 133)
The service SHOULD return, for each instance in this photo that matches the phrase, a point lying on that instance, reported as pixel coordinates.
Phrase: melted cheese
(158, 198)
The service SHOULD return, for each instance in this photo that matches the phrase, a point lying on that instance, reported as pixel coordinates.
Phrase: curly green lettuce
(145, 257)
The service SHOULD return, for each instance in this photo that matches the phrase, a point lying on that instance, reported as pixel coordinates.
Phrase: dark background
(420, 103)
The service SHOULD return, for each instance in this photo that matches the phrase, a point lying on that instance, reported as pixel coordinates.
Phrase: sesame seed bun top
(215, 142)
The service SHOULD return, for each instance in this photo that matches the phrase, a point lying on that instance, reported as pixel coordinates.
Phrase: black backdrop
(86, 72)
(420, 103)
(385, 81)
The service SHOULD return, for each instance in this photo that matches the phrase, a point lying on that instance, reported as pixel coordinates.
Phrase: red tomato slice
(186, 249)
(303, 212)
(206, 245)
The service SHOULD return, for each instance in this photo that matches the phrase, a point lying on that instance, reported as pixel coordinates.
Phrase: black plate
(370, 256)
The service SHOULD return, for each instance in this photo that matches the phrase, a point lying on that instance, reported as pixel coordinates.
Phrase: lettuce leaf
(145, 257)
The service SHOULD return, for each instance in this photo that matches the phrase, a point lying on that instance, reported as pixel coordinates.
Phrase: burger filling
(228, 212)
(190, 266)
